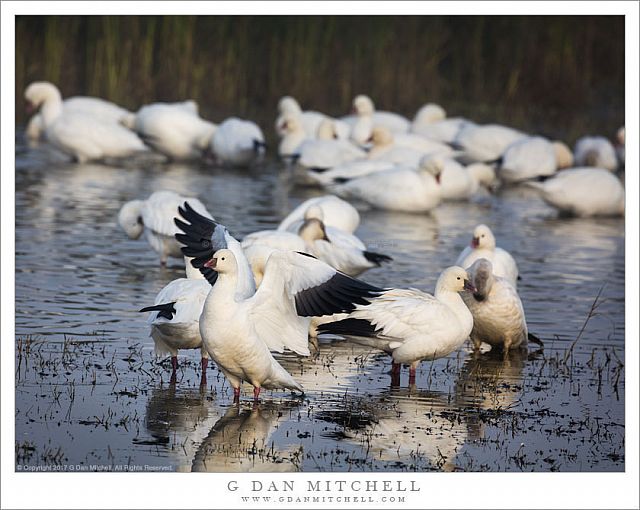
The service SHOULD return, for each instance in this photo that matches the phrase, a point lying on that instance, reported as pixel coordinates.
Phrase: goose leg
(256, 393)
(412, 372)
(236, 394)
(203, 376)
(395, 374)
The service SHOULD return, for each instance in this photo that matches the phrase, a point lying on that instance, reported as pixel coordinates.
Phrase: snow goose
(430, 121)
(351, 170)
(403, 148)
(458, 182)
(595, 151)
(323, 153)
(364, 109)
(79, 135)
(175, 315)
(498, 315)
(238, 142)
(336, 213)
(584, 192)
(528, 158)
(343, 251)
(239, 325)
(174, 130)
(397, 189)
(309, 120)
(154, 217)
(412, 325)
(483, 246)
(294, 137)
(485, 143)
(104, 111)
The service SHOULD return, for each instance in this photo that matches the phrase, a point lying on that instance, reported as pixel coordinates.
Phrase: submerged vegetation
(560, 75)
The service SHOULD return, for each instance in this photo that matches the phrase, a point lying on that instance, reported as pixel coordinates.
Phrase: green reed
(563, 76)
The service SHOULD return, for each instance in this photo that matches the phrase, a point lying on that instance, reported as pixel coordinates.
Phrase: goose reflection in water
(239, 441)
(178, 416)
(491, 381)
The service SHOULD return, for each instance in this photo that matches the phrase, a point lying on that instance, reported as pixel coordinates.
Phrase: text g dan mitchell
(326, 486)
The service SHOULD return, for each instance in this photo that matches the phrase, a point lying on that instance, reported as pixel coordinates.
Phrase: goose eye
(222, 258)
(458, 276)
(482, 235)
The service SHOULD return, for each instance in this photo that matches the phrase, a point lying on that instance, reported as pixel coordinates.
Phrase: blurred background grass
(562, 76)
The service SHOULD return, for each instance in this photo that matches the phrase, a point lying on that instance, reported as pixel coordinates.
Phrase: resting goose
(345, 252)
(411, 325)
(367, 117)
(293, 138)
(498, 315)
(104, 111)
(239, 325)
(458, 182)
(391, 148)
(154, 217)
(77, 134)
(175, 315)
(486, 143)
(238, 142)
(527, 158)
(431, 122)
(584, 192)
(397, 189)
(309, 121)
(336, 213)
(595, 151)
(483, 245)
(357, 168)
(174, 129)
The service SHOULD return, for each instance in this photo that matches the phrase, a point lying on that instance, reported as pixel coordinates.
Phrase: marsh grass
(551, 74)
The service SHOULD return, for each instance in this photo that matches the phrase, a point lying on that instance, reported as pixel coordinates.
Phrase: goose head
(326, 130)
(432, 165)
(454, 279)
(429, 114)
(39, 93)
(381, 137)
(314, 212)
(130, 218)
(223, 262)
(363, 105)
(564, 156)
(482, 278)
(483, 174)
(313, 229)
(483, 238)
(288, 104)
(291, 124)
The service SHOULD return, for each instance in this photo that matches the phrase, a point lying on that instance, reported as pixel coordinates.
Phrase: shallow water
(90, 395)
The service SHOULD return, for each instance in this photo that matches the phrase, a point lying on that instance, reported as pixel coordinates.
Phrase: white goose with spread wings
(411, 325)
(239, 325)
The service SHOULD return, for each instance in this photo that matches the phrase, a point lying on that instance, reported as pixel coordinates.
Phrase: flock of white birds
(273, 291)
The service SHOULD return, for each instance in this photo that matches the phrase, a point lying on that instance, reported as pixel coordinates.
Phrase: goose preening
(584, 192)
(528, 158)
(397, 189)
(154, 217)
(595, 151)
(104, 111)
(343, 251)
(336, 213)
(412, 325)
(498, 315)
(238, 142)
(240, 325)
(79, 134)
(483, 246)
(486, 143)
(175, 316)
(173, 129)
